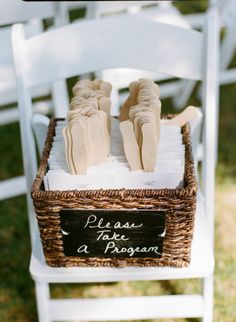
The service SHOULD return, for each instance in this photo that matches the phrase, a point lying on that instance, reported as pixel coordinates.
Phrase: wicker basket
(178, 204)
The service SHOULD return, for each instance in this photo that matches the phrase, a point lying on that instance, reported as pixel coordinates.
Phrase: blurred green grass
(17, 300)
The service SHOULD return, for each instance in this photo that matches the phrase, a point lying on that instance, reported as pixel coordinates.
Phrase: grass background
(17, 299)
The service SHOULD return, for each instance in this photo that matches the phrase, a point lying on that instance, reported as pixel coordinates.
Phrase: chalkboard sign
(112, 233)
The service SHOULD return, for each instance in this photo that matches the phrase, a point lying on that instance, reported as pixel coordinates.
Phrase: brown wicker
(179, 205)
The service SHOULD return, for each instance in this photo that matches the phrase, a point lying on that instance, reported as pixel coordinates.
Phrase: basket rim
(190, 188)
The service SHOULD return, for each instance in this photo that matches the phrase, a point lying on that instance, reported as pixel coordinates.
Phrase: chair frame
(30, 63)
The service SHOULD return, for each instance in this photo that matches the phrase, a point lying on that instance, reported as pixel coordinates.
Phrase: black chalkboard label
(113, 233)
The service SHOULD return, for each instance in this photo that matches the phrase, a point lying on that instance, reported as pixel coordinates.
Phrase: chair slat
(65, 52)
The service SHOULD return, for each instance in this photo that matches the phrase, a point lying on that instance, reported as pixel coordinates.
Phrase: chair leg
(208, 296)
(42, 297)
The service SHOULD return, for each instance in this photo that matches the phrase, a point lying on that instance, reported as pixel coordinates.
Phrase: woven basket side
(177, 242)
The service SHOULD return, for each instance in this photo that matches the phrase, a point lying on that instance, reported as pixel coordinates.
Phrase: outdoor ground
(17, 300)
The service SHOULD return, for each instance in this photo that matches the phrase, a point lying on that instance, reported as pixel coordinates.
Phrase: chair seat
(202, 263)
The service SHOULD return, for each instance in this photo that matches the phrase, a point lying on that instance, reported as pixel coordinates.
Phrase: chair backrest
(99, 44)
(46, 54)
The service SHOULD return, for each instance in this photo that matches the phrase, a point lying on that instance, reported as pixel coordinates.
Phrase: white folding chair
(179, 52)
(32, 14)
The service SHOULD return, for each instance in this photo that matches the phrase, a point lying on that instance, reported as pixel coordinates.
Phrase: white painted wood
(25, 115)
(9, 95)
(40, 127)
(104, 8)
(214, 2)
(25, 109)
(42, 299)
(165, 14)
(43, 107)
(196, 127)
(9, 116)
(12, 187)
(12, 11)
(208, 296)
(228, 45)
(199, 153)
(181, 100)
(112, 34)
(202, 263)
(7, 76)
(211, 112)
(123, 76)
(169, 89)
(60, 98)
(168, 14)
(127, 308)
(228, 76)
(195, 20)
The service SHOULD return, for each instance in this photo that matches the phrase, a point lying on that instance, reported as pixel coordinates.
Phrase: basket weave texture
(179, 205)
